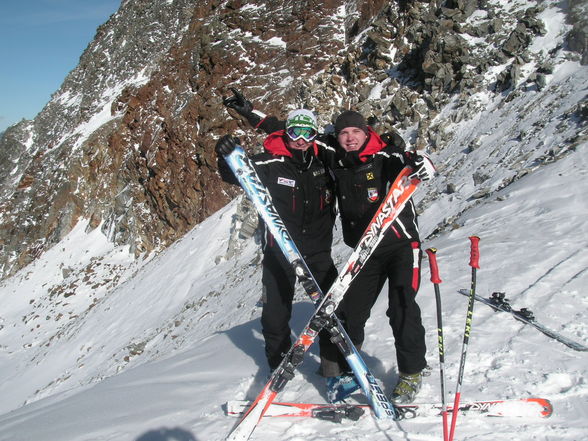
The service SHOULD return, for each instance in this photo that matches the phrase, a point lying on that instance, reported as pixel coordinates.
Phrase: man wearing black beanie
(364, 166)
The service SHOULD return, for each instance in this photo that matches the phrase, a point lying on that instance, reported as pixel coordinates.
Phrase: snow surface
(532, 247)
(150, 350)
(200, 325)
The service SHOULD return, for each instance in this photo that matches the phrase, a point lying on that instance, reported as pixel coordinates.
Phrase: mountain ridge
(127, 140)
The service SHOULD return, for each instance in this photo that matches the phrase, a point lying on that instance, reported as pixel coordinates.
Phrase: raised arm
(255, 118)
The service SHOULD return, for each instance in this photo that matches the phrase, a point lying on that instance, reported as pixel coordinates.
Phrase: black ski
(499, 303)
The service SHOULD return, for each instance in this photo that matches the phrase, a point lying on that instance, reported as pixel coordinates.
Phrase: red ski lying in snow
(524, 407)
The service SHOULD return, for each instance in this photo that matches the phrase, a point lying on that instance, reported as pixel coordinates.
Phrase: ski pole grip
(432, 253)
(475, 252)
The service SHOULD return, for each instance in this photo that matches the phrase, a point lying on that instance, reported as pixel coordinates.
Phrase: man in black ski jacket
(364, 165)
(302, 193)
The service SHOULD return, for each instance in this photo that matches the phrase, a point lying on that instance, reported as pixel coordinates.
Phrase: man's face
(299, 144)
(351, 138)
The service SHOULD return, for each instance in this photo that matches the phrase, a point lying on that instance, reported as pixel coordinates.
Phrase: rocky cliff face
(66, 165)
(127, 141)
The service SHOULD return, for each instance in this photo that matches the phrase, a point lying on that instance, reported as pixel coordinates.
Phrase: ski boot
(407, 387)
(341, 387)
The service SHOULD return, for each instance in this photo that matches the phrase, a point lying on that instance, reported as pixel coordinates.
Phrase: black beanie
(350, 118)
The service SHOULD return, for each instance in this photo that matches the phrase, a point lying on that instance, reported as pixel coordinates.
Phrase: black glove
(394, 138)
(239, 103)
(226, 145)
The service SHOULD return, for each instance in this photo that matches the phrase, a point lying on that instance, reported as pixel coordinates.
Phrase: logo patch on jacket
(287, 182)
(369, 176)
(372, 194)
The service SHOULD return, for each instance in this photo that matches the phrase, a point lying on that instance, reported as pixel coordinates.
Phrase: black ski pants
(398, 262)
(278, 281)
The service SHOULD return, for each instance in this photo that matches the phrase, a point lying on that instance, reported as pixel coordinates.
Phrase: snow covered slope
(156, 357)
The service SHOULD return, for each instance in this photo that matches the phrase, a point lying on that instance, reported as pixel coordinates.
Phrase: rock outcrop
(127, 141)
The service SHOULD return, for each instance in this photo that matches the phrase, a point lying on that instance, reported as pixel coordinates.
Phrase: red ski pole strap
(475, 252)
(432, 253)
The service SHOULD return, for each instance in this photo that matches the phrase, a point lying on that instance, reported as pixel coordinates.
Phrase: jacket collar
(373, 145)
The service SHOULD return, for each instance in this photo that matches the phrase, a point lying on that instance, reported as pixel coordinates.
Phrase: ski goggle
(306, 133)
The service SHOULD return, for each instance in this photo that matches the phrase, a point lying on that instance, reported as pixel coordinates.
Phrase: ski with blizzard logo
(324, 316)
(524, 407)
(499, 303)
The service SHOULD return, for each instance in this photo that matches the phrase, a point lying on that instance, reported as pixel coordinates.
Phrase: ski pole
(432, 253)
(474, 263)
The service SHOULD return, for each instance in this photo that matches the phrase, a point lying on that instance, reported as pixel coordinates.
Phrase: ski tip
(545, 404)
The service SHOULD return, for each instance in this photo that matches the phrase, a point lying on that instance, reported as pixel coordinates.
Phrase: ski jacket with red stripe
(362, 181)
(302, 192)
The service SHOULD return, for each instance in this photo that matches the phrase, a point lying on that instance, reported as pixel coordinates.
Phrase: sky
(41, 41)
